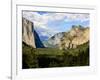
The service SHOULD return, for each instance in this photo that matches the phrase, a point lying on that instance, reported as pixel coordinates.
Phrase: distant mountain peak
(76, 36)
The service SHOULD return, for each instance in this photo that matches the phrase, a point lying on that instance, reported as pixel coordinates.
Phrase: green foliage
(53, 57)
(77, 26)
(29, 59)
(78, 56)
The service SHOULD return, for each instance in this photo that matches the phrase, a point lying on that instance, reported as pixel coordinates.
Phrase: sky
(48, 24)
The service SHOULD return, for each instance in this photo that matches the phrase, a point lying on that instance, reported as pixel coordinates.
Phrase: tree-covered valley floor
(53, 57)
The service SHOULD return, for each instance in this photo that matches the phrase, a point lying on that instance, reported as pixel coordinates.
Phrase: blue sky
(49, 23)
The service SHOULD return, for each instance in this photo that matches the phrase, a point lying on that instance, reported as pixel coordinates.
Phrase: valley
(49, 57)
(63, 49)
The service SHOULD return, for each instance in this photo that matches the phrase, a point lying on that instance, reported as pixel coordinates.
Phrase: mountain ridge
(76, 36)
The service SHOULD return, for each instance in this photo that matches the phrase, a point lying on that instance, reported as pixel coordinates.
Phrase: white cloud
(77, 17)
(41, 21)
(34, 16)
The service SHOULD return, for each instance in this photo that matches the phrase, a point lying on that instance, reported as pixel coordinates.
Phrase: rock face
(78, 35)
(54, 40)
(27, 32)
(29, 35)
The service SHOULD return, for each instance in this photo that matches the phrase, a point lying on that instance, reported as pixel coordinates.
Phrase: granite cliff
(29, 35)
(78, 35)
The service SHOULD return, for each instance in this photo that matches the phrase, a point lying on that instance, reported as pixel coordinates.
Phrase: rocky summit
(78, 35)
(29, 35)
(27, 32)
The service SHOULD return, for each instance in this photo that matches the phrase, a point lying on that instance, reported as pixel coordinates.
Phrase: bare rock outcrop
(77, 36)
(27, 32)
